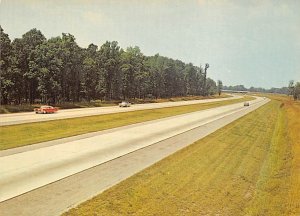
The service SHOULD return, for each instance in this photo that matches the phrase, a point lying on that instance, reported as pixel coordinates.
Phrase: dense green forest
(57, 70)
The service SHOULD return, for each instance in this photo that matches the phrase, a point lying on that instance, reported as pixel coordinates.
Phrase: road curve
(29, 170)
(20, 118)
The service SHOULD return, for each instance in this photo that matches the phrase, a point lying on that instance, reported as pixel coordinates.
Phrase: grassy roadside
(4, 109)
(293, 113)
(26, 134)
(250, 167)
(292, 109)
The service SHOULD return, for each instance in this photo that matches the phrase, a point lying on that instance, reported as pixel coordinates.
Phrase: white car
(124, 104)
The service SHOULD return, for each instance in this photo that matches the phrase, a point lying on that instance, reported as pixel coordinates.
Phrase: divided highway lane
(20, 118)
(29, 170)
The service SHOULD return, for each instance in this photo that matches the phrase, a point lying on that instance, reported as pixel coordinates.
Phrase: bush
(16, 108)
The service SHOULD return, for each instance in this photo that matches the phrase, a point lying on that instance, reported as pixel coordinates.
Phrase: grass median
(30, 133)
(249, 167)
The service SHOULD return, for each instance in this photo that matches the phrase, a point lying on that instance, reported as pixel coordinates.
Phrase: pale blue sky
(251, 42)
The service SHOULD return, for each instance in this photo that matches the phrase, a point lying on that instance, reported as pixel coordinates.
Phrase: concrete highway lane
(23, 172)
(20, 118)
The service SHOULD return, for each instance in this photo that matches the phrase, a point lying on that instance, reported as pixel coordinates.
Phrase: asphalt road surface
(20, 118)
(28, 170)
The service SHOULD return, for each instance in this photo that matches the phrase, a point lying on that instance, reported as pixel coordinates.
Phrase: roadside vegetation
(30, 133)
(249, 167)
(292, 109)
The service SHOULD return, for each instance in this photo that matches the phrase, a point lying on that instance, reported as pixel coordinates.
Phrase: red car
(45, 109)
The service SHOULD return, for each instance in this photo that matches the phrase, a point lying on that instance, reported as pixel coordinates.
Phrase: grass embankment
(26, 134)
(98, 103)
(250, 167)
(292, 109)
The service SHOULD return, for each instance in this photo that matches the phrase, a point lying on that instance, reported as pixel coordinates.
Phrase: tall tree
(191, 79)
(204, 80)
(6, 80)
(296, 93)
(109, 56)
(133, 73)
(220, 87)
(30, 40)
(17, 61)
(47, 63)
(71, 75)
(179, 87)
(291, 87)
(151, 65)
(91, 74)
(211, 87)
(170, 77)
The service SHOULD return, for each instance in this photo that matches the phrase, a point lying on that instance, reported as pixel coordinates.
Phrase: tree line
(283, 90)
(293, 89)
(58, 70)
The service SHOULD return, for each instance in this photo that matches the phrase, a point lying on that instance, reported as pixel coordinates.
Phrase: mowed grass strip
(241, 169)
(293, 113)
(292, 109)
(26, 134)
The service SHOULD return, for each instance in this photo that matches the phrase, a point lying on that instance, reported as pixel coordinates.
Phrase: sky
(249, 42)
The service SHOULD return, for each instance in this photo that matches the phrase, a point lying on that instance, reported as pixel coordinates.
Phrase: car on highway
(246, 103)
(45, 110)
(124, 104)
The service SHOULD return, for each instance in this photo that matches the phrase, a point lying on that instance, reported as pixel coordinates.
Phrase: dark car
(246, 103)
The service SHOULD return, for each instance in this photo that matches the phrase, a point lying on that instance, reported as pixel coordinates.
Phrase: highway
(20, 118)
(26, 171)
